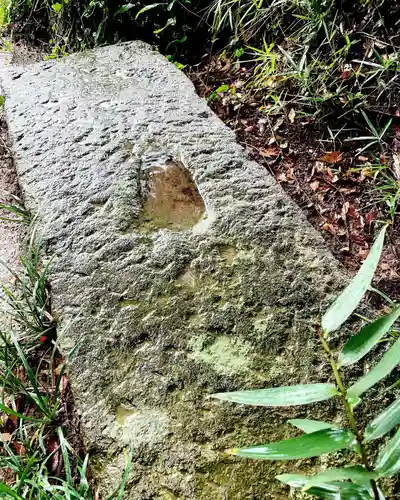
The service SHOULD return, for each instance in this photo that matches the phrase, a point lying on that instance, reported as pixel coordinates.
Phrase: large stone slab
(181, 267)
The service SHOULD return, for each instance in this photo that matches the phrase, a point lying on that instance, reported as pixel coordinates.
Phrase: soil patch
(337, 190)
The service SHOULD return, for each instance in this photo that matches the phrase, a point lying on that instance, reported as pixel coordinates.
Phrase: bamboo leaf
(389, 361)
(383, 423)
(334, 490)
(281, 396)
(305, 446)
(360, 344)
(349, 299)
(388, 461)
(356, 473)
(309, 426)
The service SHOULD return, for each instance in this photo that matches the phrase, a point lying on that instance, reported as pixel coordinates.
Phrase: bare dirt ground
(336, 190)
(9, 232)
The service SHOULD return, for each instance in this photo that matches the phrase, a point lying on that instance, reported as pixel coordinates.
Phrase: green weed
(16, 210)
(4, 12)
(28, 298)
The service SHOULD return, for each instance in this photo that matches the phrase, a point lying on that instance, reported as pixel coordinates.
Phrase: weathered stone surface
(220, 294)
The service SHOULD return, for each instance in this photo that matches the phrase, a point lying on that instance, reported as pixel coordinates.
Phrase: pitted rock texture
(165, 315)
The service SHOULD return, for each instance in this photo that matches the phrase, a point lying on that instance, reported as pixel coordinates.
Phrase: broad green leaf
(356, 473)
(222, 88)
(330, 490)
(361, 343)
(282, 396)
(309, 426)
(57, 7)
(145, 9)
(349, 299)
(384, 422)
(389, 361)
(388, 461)
(305, 446)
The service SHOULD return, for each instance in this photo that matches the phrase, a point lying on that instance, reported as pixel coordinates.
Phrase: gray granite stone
(181, 268)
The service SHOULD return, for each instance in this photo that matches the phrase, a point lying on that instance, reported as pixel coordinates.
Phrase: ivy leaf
(361, 343)
(309, 426)
(282, 396)
(349, 299)
(388, 461)
(383, 423)
(389, 361)
(305, 446)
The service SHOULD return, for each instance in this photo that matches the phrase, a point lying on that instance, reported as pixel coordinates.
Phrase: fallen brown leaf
(331, 157)
(55, 463)
(270, 152)
(371, 216)
(281, 177)
(329, 228)
(290, 173)
(19, 448)
(352, 212)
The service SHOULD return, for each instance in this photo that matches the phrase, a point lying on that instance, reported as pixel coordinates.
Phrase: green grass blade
(361, 343)
(385, 128)
(84, 485)
(64, 450)
(383, 423)
(388, 461)
(119, 494)
(281, 396)
(371, 127)
(33, 380)
(388, 362)
(305, 446)
(125, 476)
(8, 411)
(309, 426)
(356, 473)
(7, 492)
(349, 299)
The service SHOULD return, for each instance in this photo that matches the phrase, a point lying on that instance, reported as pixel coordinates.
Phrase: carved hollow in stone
(170, 198)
